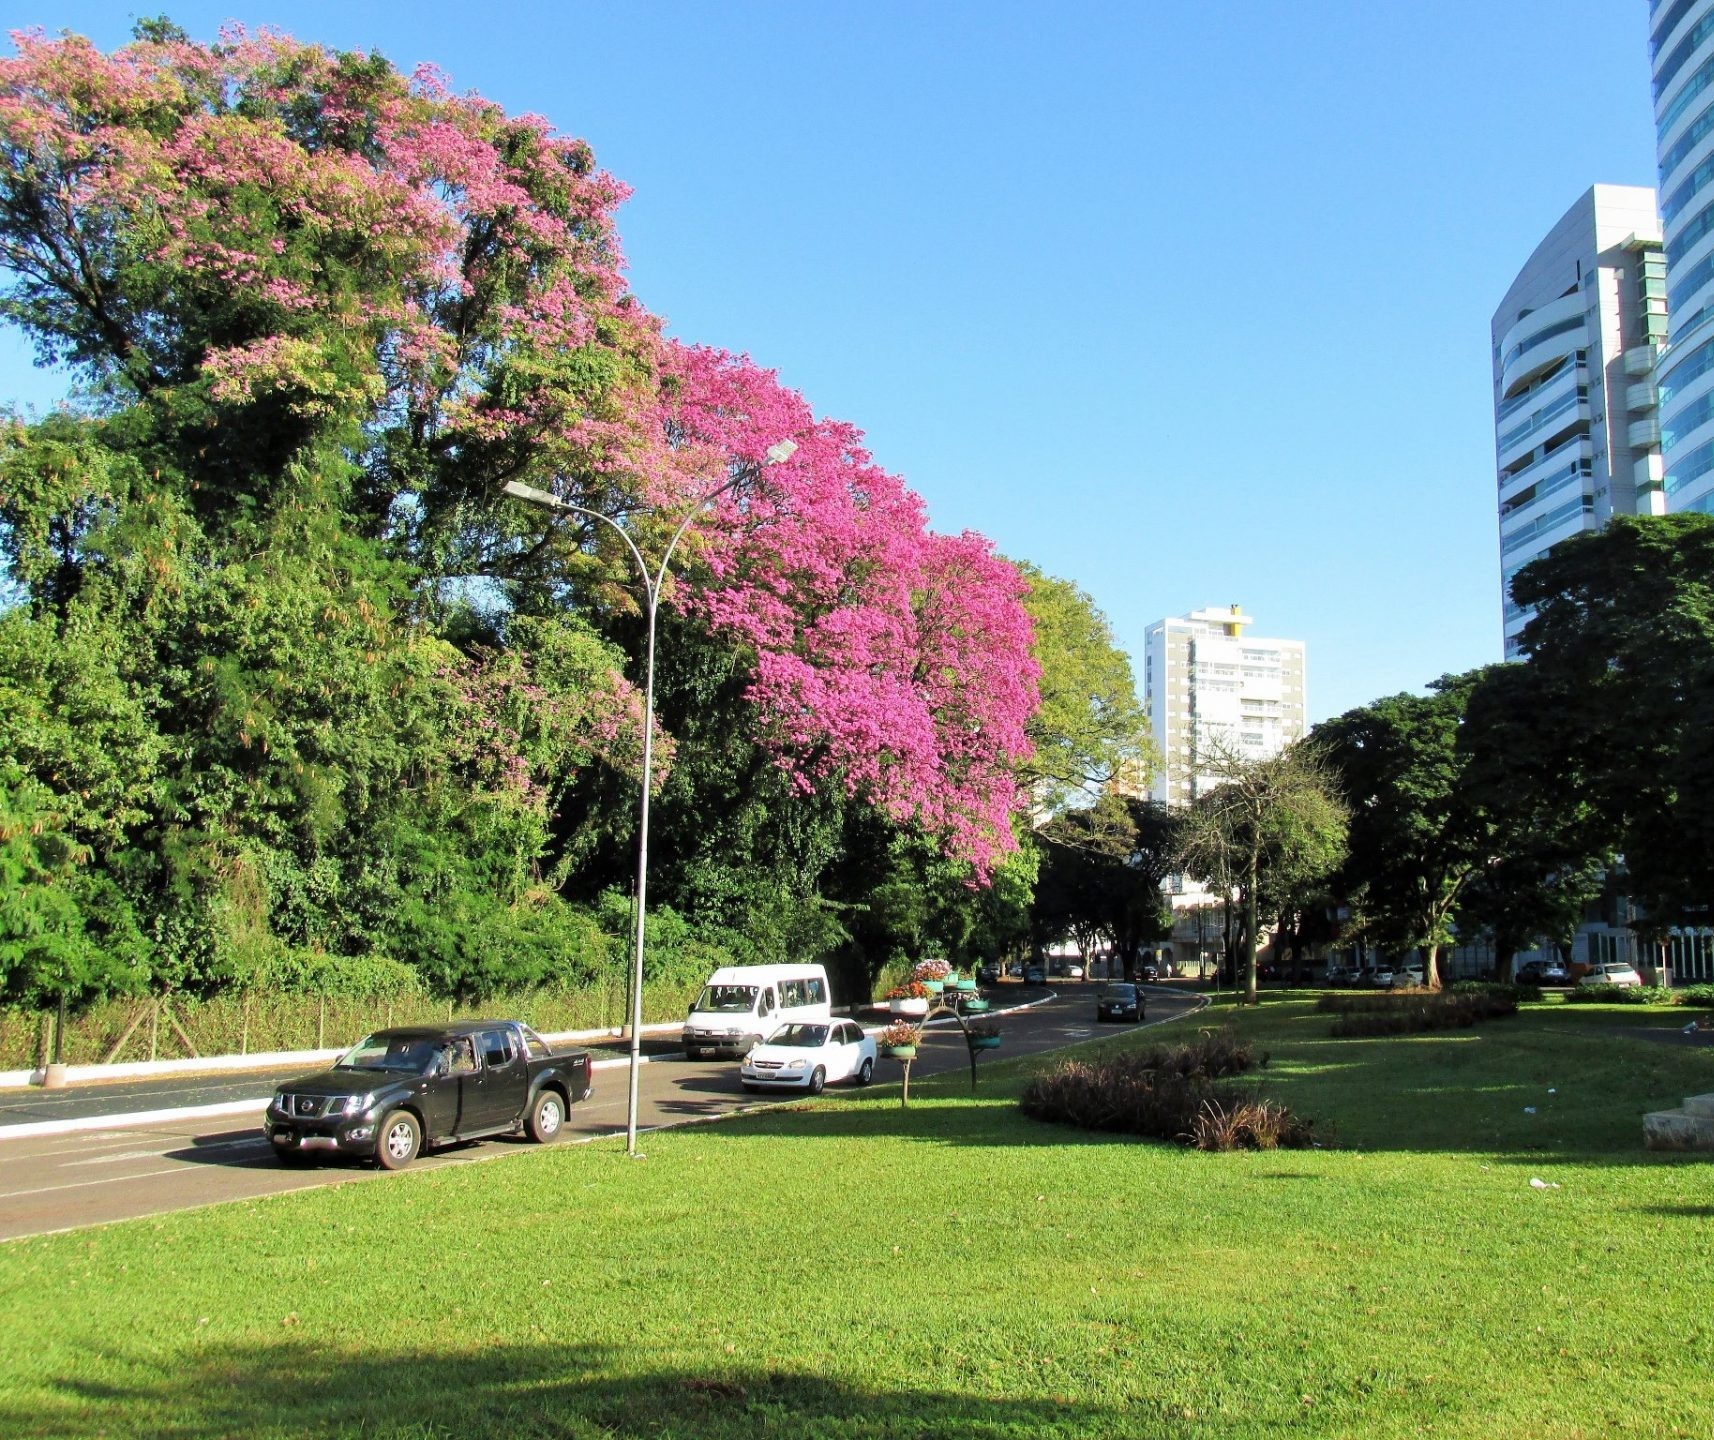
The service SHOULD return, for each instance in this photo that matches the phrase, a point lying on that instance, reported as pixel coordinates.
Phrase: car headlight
(796, 1064)
(355, 1104)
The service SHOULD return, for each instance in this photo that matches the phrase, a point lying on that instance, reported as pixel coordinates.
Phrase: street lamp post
(652, 584)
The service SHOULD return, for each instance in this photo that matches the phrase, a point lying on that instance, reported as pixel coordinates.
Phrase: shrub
(1418, 1010)
(1622, 995)
(1167, 1093)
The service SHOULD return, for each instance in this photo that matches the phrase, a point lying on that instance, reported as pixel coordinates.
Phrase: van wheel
(818, 1081)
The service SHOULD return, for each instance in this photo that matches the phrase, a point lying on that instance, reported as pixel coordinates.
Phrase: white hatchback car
(808, 1057)
(1612, 972)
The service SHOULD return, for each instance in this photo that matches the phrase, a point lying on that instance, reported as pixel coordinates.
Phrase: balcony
(1644, 396)
(1644, 434)
(1640, 359)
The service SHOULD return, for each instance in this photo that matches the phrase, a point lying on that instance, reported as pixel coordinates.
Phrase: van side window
(788, 995)
(768, 1002)
(817, 991)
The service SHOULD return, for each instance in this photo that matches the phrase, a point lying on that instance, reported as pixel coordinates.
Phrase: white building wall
(1209, 687)
(1681, 45)
(1576, 429)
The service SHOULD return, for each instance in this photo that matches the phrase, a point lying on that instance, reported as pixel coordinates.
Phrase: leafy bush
(1418, 1010)
(1623, 995)
(1168, 1093)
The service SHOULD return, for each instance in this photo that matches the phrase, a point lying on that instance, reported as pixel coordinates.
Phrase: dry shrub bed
(1418, 1010)
(1180, 1093)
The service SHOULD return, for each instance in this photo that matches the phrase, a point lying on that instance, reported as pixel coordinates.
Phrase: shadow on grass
(526, 1391)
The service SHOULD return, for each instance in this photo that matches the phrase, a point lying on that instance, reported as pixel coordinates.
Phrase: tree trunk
(1431, 966)
(1250, 935)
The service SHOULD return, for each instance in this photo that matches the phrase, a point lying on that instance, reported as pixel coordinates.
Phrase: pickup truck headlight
(355, 1104)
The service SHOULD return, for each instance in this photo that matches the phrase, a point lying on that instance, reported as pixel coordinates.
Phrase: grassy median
(846, 1269)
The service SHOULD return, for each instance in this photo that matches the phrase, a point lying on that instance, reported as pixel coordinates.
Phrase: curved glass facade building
(1576, 428)
(1681, 46)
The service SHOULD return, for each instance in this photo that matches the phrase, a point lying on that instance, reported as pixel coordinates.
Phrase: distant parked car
(1034, 975)
(1119, 1002)
(1151, 970)
(1407, 975)
(1340, 975)
(1612, 972)
(809, 1056)
(1381, 977)
(988, 974)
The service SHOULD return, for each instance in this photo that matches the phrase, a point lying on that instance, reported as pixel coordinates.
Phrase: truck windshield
(727, 999)
(409, 1054)
(805, 1037)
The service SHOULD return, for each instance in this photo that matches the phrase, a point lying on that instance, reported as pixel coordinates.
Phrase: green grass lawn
(849, 1270)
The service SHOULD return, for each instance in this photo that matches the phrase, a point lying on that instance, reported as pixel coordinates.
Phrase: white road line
(34, 1128)
(84, 1184)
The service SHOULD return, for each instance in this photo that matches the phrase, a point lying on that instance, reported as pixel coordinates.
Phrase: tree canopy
(283, 673)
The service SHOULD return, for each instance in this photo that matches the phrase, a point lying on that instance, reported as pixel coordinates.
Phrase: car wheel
(817, 1081)
(400, 1139)
(866, 1071)
(547, 1117)
(693, 1052)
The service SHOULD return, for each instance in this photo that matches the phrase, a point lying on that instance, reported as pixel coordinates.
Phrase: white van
(742, 1005)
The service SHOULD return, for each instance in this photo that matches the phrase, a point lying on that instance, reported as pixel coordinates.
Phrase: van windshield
(727, 999)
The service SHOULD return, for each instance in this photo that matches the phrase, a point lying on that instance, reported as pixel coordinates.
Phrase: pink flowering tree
(888, 659)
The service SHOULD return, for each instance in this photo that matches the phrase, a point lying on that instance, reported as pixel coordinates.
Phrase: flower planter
(934, 987)
(985, 1042)
(966, 985)
(975, 1007)
(901, 1052)
(908, 1005)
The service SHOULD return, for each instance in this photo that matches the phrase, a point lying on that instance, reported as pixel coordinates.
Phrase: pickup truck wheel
(401, 1138)
(817, 1081)
(866, 1071)
(547, 1117)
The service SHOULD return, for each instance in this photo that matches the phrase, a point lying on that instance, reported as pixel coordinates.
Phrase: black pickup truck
(397, 1092)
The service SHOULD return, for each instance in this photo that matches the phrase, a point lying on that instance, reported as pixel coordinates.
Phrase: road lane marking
(84, 1184)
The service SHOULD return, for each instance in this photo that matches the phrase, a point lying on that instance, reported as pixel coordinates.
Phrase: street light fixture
(652, 584)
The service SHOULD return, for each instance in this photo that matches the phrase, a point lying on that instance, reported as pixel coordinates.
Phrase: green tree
(1270, 829)
(1089, 729)
(1101, 873)
(1621, 659)
(1419, 834)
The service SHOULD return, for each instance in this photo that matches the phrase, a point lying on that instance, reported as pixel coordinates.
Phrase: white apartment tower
(1576, 428)
(1211, 689)
(1681, 46)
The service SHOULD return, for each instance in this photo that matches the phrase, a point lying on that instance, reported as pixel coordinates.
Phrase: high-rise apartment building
(1576, 428)
(1681, 44)
(1211, 690)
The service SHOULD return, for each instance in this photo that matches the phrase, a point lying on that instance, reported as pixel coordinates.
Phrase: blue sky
(1186, 303)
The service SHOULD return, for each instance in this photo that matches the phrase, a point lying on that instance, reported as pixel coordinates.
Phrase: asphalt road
(62, 1182)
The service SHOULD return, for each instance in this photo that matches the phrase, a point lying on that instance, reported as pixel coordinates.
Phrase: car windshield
(407, 1054)
(1119, 992)
(800, 1037)
(727, 999)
